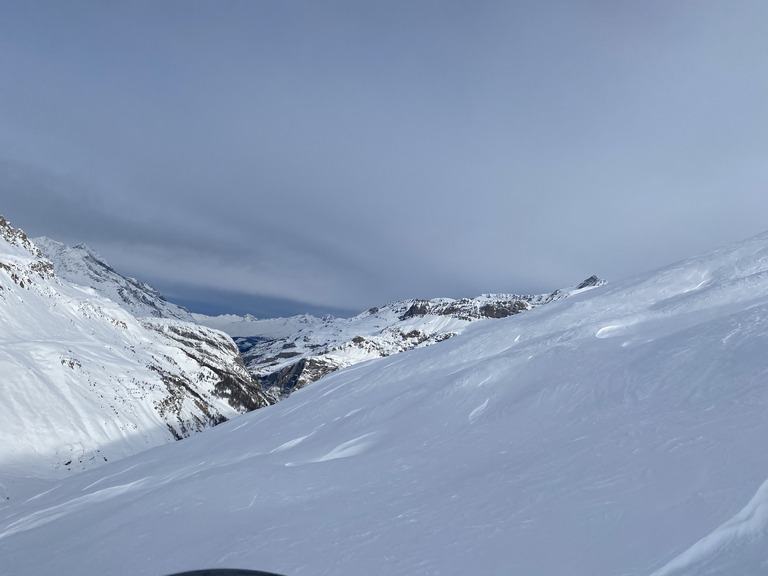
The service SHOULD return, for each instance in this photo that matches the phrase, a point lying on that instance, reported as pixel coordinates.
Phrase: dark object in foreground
(225, 572)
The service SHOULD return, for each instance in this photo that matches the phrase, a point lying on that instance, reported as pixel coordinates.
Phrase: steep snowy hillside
(81, 265)
(289, 353)
(83, 382)
(286, 354)
(619, 431)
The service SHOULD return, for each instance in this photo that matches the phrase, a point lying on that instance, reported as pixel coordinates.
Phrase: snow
(83, 382)
(736, 547)
(617, 431)
(83, 266)
(264, 327)
(289, 353)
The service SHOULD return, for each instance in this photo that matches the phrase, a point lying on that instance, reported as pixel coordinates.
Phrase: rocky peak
(591, 282)
(16, 237)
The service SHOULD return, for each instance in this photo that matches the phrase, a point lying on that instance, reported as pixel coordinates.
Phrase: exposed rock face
(23, 271)
(470, 308)
(218, 353)
(591, 282)
(294, 376)
(16, 237)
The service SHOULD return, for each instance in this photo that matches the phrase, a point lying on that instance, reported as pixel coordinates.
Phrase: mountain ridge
(287, 354)
(82, 265)
(85, 382)
(617, 431)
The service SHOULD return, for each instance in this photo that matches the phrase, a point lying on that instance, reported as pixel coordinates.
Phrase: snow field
(620, 431)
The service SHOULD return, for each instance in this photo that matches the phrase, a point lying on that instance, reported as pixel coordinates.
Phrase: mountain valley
(609, 429)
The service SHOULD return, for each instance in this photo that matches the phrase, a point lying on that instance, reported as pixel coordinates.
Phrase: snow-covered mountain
(82, 381)
(618, 431)
(288, 353)
(82, 265)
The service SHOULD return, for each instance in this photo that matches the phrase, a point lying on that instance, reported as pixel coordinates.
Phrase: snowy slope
(81, 265)
(620, 431)
(83, 382)
(289, 353)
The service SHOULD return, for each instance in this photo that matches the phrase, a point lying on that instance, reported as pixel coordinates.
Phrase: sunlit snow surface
(618, 432)
(82, 265)
(83, 382)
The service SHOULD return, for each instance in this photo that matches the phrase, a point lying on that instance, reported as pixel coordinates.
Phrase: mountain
(82, 265)
(286, 354)
(83, 382)
(617, 431)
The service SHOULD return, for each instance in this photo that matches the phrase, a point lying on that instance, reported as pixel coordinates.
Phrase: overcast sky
(283, 156)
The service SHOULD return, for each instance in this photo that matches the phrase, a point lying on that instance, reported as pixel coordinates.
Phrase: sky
(287, 157)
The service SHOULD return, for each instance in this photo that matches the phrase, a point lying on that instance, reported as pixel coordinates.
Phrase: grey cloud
(346, 154)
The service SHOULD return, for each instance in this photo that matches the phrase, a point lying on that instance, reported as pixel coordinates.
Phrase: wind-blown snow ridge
(603, 434)
(733, 548)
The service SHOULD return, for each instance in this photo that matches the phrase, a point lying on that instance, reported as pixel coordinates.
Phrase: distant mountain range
(104, 366)
(619, 430)
(285, 354)
(289, 353)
